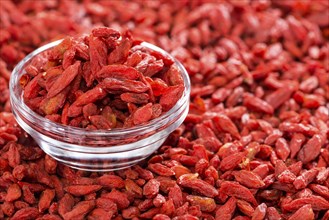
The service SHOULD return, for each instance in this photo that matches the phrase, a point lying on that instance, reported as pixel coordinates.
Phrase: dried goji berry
(310, 150)
(226, 211)
(64, 79)
(45, 199)
(81, 190)
(26, 213)
(205, 204)
(248, 179)
(13, 193)
(304, 212)
(237, 190)
(151, 188)
(80, 210)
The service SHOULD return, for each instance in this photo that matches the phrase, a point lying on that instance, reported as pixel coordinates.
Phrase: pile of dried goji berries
(255, 142)
(102, 81)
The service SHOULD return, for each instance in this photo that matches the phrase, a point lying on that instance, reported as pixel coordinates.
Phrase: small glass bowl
(96, 150)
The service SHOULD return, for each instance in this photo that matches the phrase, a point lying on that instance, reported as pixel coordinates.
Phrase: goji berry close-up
(254, 144)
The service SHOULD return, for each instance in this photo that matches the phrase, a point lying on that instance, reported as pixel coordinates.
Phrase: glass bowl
(98, 150)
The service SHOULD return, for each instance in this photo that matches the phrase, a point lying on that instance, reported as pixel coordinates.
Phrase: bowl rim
(65, 129)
